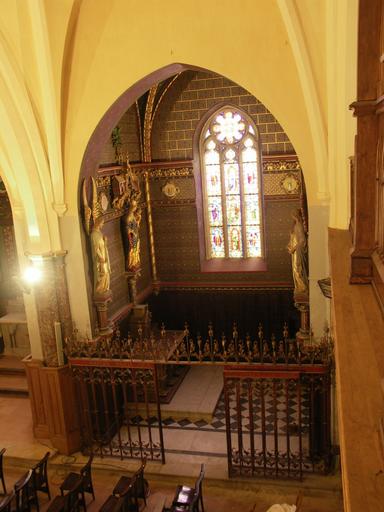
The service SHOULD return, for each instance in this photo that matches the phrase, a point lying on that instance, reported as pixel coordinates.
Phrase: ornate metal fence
(179, 347)
(278, 422)
(119, 409)
(277, 396)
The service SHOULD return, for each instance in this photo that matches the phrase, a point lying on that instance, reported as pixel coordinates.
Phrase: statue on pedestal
(100, 258)
(298, 249)
(132, 221)
(94, 222)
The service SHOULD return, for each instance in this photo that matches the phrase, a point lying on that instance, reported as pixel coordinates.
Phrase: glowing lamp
(32, 275)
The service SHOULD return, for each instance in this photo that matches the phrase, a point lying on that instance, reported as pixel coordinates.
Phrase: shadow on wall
(271, 308)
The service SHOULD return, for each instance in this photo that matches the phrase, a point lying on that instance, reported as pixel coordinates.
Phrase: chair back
(5, 503)
(141, 485)
(199, 490)
(85, 472)
(1, 469)
(40, 474)
(299, 500)
(25, 493)
(128, 498)
(199, 481)
(74, 497)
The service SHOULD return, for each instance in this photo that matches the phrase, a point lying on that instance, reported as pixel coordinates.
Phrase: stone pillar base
(101, 304)
(302, 304)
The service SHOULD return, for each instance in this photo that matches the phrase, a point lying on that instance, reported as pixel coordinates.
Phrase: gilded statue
(100, 258)
(93, 221)
(298, 249)
(132, 221)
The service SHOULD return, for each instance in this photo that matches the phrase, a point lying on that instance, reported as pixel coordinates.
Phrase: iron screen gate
(119, 408)
(277, 421)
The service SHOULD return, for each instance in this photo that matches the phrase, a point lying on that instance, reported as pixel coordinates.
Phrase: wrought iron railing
(180, 347)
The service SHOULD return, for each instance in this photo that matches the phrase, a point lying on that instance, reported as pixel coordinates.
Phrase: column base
(54, 405)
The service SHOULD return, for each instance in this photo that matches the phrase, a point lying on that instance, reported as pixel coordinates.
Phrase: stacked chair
(71, 501)
(127, 492)
(25, 489)
(86, 475)
(189, 499)
(72, 490)
(25, 493)
(40, 477)
(5, 502)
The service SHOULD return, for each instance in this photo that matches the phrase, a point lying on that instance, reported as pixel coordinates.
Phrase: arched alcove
(159, 117)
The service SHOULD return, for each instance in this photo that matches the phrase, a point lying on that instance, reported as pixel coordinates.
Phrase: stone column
(302, 304)
(52, 304)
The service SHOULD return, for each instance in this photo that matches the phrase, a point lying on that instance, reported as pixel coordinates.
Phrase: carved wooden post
(365, 109)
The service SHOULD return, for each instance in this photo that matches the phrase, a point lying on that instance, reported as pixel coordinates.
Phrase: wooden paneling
(359, 353)
(367, 139)
(54, 406)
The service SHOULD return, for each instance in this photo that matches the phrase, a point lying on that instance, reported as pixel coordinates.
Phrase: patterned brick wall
(177, 245)
(129, 137)
(192, 95)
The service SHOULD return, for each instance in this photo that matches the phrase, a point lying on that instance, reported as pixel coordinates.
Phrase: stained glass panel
(217, 242)
(213, 180)
(230, 158)
(211, 157)
(249, 154)
(253, 241)
(215, 211)
(235, 249)
(233, 210)
(252, 215)
(232, 182)
(250, 178)
(229, 127)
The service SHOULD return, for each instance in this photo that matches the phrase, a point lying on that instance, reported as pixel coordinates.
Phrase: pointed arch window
(231, 186)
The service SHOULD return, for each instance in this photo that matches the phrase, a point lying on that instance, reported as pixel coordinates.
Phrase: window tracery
(230, 158)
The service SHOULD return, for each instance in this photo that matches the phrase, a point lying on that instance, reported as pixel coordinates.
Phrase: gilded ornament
(290, 183)
(170, 190)
(181, 172)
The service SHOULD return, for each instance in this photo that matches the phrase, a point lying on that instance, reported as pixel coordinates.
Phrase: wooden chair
(299, 501)
(40, 476)
(141, 484)
(25, 493)
(188, 498)
(190, 507)
(5, 503)
(1, 470)
(122, 502)
(71, 501)
(72, 478)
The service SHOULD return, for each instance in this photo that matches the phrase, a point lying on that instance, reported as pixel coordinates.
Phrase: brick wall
(130, 139)
(177, 244)
(192, 95)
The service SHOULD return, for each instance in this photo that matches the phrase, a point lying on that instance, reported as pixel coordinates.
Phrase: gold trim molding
(183, 172)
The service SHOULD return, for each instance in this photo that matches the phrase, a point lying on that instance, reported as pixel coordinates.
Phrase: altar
(15, 334)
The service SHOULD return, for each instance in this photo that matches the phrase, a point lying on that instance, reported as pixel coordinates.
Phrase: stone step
(14, 385)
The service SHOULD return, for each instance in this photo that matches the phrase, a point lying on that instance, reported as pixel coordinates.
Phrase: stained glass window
(231, 186)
